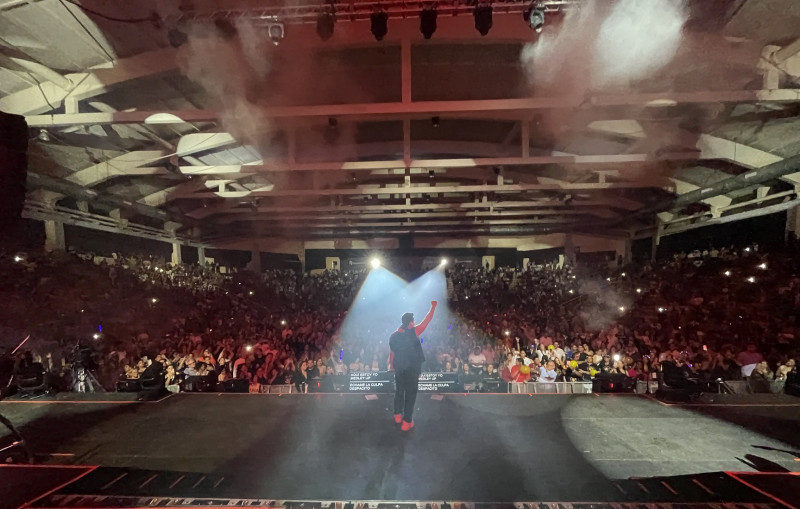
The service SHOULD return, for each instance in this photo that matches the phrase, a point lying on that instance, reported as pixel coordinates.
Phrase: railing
(550, 387)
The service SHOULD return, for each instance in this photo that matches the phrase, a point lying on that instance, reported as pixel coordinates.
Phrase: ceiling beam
(511, 108)
(34, 100)
(428, 189)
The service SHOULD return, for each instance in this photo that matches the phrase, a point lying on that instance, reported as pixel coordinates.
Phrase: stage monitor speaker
(613, 383)
(13, 172)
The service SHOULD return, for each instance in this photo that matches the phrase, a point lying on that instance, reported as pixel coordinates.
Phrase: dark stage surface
(346, 447)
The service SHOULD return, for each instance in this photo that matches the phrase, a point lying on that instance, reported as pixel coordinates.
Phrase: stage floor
(464, 447)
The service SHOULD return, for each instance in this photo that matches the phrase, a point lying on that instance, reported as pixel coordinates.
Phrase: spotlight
(44, 135)
(435, 121)
(378, 24)
(483, 18)
(427, 22)
(534, 15)
(276, 33)
(443, 262)
(375, 263)
(325, 24)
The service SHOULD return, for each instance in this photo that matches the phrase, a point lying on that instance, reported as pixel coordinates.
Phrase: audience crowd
(726, 314)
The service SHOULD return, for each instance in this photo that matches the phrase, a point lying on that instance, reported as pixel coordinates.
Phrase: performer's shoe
(407, 426)
(398, 418)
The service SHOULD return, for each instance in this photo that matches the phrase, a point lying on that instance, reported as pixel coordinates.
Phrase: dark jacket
(407, 350)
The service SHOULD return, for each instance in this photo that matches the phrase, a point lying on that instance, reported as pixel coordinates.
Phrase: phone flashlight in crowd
(153, 300)
(507, 333)
(283, 322)
(616, 357)
(17, 258)
(96, 335)
(248, 348)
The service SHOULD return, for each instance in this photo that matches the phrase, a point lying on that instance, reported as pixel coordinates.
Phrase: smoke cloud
(601, 46)
(230, 66)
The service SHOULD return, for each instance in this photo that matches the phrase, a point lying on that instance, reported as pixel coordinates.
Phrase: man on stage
(406, 359)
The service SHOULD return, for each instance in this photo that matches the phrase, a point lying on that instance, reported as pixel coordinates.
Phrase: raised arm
(419, 329)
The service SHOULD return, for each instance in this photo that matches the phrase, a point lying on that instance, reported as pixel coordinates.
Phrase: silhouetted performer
(406, 359)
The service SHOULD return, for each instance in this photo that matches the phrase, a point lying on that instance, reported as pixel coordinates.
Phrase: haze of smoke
(228, 71)
(594, 48)
(636, 39)
(608, 301)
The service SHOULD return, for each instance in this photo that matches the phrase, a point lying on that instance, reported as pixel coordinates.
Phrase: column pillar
(627, 257)
(569, 249)
(793, 222)
(301, 255)
(176, 253)
(54, 236)
(201, 256)
(656, 240)
(255, 259)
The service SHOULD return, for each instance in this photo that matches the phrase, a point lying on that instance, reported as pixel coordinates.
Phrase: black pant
(405, 392)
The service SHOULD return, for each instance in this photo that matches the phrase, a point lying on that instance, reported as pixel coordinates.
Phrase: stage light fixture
(443, 262)
(534, 15)
(276, 33)
(325, 24)
(483, 18)
(375, 263)
(427, 22)
(378, 22)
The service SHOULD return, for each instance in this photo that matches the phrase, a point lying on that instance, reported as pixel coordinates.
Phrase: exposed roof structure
(190, 118)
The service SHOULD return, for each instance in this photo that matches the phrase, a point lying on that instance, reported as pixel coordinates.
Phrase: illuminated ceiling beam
(404, 191)
(34, 100)
(125, 165)
(344, 215)
(618, 161)
(510, 108)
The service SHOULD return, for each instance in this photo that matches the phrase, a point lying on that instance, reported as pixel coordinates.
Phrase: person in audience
(547, 373)
(292, 316)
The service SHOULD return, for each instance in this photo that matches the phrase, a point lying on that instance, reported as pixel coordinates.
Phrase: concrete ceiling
(230, 136)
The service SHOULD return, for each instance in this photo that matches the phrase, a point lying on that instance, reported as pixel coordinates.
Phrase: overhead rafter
(510, 108)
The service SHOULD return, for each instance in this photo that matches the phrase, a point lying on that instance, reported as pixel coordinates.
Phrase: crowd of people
(703, 316)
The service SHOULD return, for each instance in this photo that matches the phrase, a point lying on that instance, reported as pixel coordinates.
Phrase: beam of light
(381, 301)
